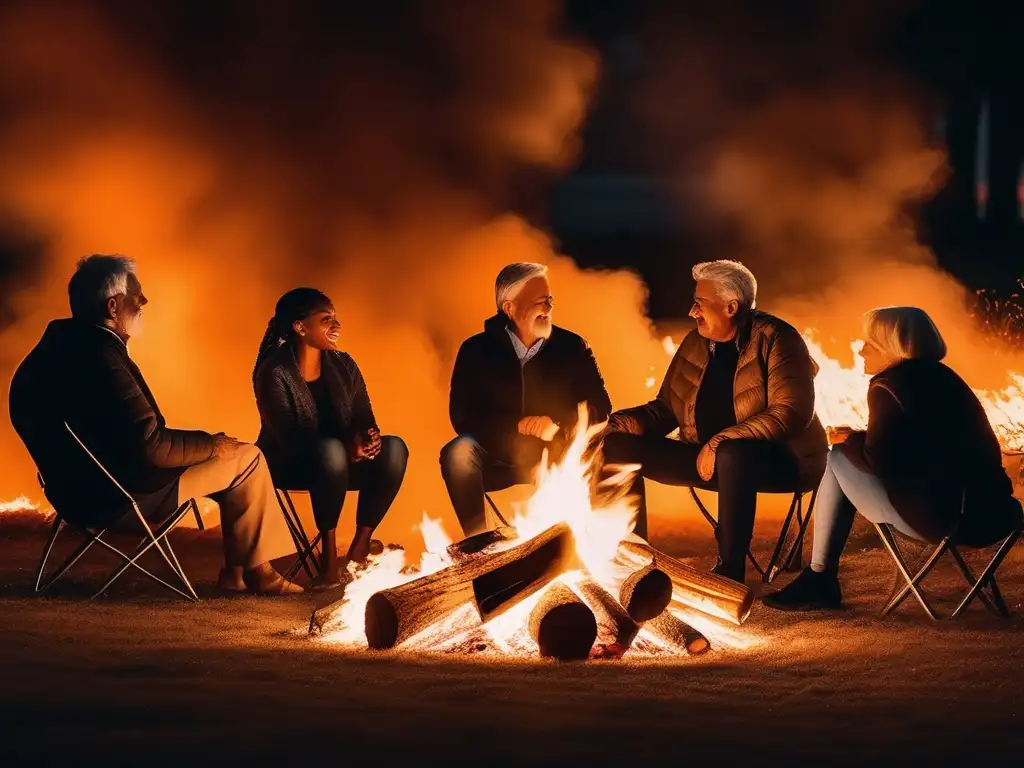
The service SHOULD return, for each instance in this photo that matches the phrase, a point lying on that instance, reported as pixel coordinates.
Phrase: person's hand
(541, 427)
(838, 435)
(706, 462)
(366, 447)
(224, 446)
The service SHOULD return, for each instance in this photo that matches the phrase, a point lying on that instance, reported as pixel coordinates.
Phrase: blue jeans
(469, 471)
(325, 470)
(844, 490)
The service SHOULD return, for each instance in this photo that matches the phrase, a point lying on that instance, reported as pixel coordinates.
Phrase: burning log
(676, 633)
(562, 625)
(495, 582)
(615, 629)
(646, 593)
(705, 592)
(481, 541)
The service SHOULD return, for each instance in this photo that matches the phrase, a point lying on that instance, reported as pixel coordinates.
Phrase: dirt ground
(139, 678)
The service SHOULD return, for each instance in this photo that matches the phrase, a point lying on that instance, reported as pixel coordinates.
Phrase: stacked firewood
(574, 617)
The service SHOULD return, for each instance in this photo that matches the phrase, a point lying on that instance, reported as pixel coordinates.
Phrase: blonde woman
(928, 448)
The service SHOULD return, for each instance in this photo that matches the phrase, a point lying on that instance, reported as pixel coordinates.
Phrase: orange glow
(562, 495)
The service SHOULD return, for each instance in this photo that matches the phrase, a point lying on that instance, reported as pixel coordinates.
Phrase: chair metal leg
(130, 562)
(794, 559)
(997, 598)
(163, 542)
(988, 573)
(90, 539)
(303, 548)
(889, 540)
(494, 508)
(772, 569)
(990, 602)
(152, 539)
(714, 524)
(199, 518)
(144, 546)
(58, 524)
(306, 554)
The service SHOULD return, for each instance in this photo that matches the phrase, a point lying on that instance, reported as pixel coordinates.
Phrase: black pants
(469, 472)
(328, 474)
(742, 468)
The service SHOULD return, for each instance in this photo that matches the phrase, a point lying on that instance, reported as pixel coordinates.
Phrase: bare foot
(264, 580)
(230, 580)
(361, 545)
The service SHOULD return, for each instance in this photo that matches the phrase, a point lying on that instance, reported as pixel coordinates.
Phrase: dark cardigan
(929, 441)
(81, 374)
(491, 390)
(288, 415)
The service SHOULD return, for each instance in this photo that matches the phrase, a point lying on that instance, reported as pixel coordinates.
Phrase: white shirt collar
(522, 352)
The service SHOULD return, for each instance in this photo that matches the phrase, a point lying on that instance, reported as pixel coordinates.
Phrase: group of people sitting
(739, 392)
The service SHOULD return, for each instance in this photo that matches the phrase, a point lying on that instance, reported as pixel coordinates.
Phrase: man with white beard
(80, 374)
(515, 391)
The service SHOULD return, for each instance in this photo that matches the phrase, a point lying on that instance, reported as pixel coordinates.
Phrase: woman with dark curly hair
(318, 431)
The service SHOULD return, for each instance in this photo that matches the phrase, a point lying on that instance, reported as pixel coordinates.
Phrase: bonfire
(567, 579)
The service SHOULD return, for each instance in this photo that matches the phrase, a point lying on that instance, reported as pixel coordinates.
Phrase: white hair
(904, 333)
(733, 281)
(96, 280)
(513, 277)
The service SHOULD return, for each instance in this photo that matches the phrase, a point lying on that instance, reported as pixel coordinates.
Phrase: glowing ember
(562, 496)
(24, 506)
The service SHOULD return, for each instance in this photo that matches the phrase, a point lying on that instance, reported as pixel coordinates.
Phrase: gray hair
(904, 333)
(513, 277)
(733, 281)
(97, 278)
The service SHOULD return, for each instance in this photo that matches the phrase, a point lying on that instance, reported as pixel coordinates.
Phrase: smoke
(805, 147)
(240, 149)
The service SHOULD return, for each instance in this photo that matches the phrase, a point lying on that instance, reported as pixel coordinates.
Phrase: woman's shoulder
(275, 364)
(340, 360)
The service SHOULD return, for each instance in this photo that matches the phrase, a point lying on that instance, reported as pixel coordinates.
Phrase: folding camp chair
(304, 548)
(307, 550)
(992, 599)
(788, 558)
(494, 508)
(94, 535)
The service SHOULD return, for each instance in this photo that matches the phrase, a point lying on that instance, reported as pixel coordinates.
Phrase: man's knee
(838, 463)
(394, 455)
(331, 456)
(461, 456)
(736, 456)
(620, 448)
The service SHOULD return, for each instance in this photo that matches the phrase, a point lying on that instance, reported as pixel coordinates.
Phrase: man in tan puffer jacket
(740, 390)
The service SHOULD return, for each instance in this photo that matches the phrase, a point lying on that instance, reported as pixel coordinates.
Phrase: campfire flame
(562, 495)
(840, 395)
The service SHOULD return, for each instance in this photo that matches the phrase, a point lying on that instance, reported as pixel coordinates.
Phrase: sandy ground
(140, 678)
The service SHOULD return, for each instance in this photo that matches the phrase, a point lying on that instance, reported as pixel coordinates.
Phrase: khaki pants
(250, 518)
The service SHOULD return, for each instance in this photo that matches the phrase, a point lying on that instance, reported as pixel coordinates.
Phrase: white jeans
(844, 490)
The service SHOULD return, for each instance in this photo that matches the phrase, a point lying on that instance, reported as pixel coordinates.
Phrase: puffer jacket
(288, 415)
(773, 394)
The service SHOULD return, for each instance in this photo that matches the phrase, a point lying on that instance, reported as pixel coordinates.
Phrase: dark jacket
(773, 394)
(289, 425)
(81, 374)
(491, 391)
(928, 439)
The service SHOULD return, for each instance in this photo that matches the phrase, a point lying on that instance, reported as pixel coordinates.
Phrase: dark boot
(810, 591)
(729, 571)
